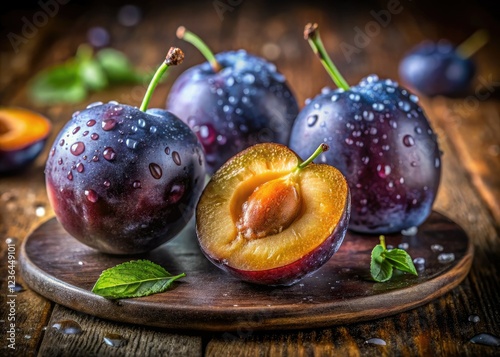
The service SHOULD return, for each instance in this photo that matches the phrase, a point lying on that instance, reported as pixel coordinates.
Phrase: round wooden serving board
(63, 270)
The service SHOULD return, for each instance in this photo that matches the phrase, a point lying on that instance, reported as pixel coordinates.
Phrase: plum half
(267, 217)
(23, 135)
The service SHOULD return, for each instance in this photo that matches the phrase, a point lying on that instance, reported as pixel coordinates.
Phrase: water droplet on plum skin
(109, 154)
(75, 130)
(408, 140)
(155, 170)
(80, 168)
(312, 120)
(91, 195)
(136, 184)
(177, 158)
(77, 148)
(91, 122)
(94, 136)
(108, 124)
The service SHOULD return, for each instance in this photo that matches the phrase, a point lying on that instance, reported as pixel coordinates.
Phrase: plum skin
(437, 69)
(245, 103)
(292, 273)
(137, 196)
(382, 142)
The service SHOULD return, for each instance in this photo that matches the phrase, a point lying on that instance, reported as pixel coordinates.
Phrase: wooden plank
(137, 341)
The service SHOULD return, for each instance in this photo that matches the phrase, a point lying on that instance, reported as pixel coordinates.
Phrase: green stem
(321, 149)
(183, 34)
(311, 34)
(471, 45)
(174, 57)
(382, 242)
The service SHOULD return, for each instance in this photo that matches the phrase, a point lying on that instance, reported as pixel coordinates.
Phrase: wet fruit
(124, 180)
(439, 68)
(267, 217)
(232, 101)
(23, 134)
(381, 140)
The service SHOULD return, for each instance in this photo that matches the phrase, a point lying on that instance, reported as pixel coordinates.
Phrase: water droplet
(474, 318)
(61, 142)
(155, 170)
(390, 89)
(312, 120)
(354, 97)
(79, 167)
(167, 150)
(403, 246)
(141, 123)
(385, 147)
(152, 129)
(437, 248)
(207, 134)
(408, 140)
(226, 108)
(410, 231)
(393, 124)
(18, 288)
(95, 104)
(404, 106)
(334, 98)
(85, 133)
(77, 148)
(136, 184)
(349, 141)
(437, 162)
(70, 176)
(413, 98)
(221, 139)
(401, 180)
(365, 160)
(40, 211)
(118, 109)
(176, 193)
(95, 158)
(373, 131)
(418, 130)
(363, 201)
(134, 128)
(94, 136)
(11, 240)
(176, 157)
(60, 161)
(378, 107)
(106, 183)
(383, 170)
(414, 164)
(446, 258)
(108, 124)
(248, 78)
(114, 102)
(114, 340)
(91, 122)
(68, 327)
(131, 143)
(419, 263)
(76, 113)
(91, 195)
(486, 339)
(326, 90)
(75, 130)
(367, 115)
(376, 341)
(109, 154)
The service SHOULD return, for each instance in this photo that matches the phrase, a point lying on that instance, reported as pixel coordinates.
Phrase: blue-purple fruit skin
(437, 69)
(381, 140)
(134, 183)
(245, 103)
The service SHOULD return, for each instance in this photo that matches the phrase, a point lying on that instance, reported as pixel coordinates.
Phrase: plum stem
(311, 34)
(183, 34)
(321, 149)
(174, 57)
(472, 44)
(382, 242)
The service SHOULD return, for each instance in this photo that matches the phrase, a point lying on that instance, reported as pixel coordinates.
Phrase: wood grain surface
(468, 130)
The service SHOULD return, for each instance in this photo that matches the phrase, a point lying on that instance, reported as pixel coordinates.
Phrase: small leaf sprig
(134, 279)
(384, 261)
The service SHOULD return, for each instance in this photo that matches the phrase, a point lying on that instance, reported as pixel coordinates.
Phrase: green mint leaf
(118, 68)
(401, 260)
(133, 279)
(92, 75)
(380, 268)
(58, 84)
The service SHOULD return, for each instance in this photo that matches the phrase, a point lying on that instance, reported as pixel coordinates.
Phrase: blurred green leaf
(92, 75)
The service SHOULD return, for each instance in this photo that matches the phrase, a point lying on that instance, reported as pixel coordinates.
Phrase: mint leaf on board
(134, 279)
(384, 261)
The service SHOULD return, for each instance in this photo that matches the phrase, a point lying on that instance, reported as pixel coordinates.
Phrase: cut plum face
(267, 221)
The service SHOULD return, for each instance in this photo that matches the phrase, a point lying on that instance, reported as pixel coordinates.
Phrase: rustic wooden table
(468, 130)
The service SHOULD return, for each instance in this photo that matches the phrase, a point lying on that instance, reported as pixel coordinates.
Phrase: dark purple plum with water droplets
(247, 102)
(113, 183)
(437, 69)
(381, 140)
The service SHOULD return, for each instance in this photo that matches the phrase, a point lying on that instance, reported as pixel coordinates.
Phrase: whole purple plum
(231, 102)
(381, 140)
